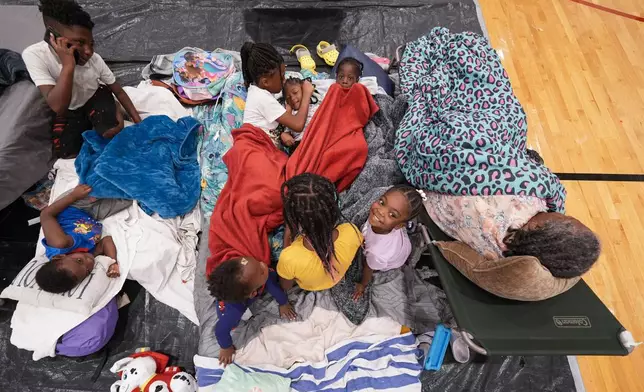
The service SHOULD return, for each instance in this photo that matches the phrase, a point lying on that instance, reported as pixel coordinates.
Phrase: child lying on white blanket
(158, 253)
(293, 97)
(72, 239)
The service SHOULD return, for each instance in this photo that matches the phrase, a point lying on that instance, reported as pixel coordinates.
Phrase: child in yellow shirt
(322, 248)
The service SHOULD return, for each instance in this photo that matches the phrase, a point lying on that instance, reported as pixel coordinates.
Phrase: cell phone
(53, 32)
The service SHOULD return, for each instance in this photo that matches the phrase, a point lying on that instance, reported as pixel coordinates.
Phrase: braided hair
(66, 12)
(414, 198)
(564, 248)
(292, 81)
(258, 60)
(311, 209)
(225, 282)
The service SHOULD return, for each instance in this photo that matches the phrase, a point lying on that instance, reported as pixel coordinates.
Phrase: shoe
(303, 57)
(328, 53)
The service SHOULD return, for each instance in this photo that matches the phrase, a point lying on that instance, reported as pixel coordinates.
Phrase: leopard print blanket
(465, 131)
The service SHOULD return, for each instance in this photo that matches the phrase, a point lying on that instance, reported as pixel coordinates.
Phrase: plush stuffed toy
(146, 371)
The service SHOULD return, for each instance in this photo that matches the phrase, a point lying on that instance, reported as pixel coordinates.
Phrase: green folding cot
(573, 323)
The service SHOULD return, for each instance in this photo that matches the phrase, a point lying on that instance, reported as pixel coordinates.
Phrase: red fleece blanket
(250, 205)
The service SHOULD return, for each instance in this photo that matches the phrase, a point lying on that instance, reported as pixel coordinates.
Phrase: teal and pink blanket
(465, 131)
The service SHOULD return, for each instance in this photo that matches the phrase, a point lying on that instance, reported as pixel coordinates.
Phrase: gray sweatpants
(100, 209)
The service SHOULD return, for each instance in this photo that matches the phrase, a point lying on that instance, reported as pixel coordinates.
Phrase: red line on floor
(609, 10)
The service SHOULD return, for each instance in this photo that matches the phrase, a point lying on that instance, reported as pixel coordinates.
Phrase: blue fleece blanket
(153, 162)
(465, 131)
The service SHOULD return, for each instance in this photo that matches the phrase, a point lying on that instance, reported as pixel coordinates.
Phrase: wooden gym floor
(579, 73)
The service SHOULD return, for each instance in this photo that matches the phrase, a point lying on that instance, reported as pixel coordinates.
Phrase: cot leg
(475, 347)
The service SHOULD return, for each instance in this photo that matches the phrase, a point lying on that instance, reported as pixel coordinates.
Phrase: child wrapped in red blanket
(250, 205)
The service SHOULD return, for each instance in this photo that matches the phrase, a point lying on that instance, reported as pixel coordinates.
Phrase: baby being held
(293, 97)
(236, 284)
(387, 245)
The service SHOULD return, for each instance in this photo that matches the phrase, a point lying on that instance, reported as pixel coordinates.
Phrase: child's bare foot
(359, 292)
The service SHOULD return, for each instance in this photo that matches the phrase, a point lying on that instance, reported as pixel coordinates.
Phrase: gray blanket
(25, 139)
(400, 294)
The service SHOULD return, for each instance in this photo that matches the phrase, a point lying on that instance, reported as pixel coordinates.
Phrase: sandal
(304, 57)
(328, 53)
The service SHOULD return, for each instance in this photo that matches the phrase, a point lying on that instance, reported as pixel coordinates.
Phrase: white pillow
(81, 299)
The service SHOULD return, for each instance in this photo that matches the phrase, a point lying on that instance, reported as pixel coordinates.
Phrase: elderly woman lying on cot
(500, 226)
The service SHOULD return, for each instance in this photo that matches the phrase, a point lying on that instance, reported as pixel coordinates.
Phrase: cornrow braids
(291, 81)
(225, 282)
(564, 248)
(66, 12)
(258, 60)
(311, 209)
(414, 199)
(356, 64)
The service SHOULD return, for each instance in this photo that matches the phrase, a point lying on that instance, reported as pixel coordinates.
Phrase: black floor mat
(129, 33)
(144, 323)
(17, 239)
(497, 374)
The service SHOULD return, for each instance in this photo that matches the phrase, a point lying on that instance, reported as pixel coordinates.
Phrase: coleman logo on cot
(571, 322)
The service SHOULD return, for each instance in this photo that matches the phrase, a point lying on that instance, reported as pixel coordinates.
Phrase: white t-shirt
(44, 67)
(262, 110)
(385, 252)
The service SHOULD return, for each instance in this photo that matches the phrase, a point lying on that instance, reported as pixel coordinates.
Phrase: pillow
(81, 299)
(92, 334)
(370, 67)
(236, 379)
(521, 278)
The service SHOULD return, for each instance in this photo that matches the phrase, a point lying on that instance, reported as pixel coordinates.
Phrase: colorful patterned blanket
(219, 120)
(465, 131)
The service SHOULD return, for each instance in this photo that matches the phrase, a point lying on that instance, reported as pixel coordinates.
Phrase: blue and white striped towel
(365, 364)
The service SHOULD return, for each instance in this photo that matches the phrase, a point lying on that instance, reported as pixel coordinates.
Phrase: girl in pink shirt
(386, 244)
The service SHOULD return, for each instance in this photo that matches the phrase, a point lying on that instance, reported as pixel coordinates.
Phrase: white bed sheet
(158, 253)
